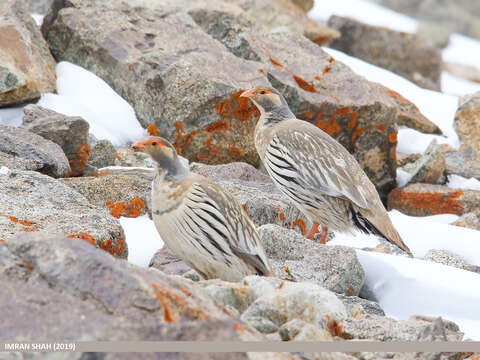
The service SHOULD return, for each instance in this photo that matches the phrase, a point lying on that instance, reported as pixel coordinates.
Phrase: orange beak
(248, 93)
(139, 145)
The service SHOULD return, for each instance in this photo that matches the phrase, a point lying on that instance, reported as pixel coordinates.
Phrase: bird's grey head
(163, 155)
(272, 105)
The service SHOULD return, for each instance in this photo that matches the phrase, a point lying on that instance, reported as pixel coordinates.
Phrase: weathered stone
(446, 257)
(167, 263)
(102, 298)
(26, 66)
(305, 301)
(462, 163)
(427, 199)
(386, 329)
(103, 153)
(433, 34)
(69, 132)
(32, 202)
(242, 172)
(233, 295)
(429, 168)
(469, 220)
(404, 159)
(19, 163)
(467, 125)
(107, 189)
(300, 330)
(410, 116)
(333, 267)
(467, 72)
(28, 147)
(356, 305)
(187, 85)
(39, 6)
(402, 53)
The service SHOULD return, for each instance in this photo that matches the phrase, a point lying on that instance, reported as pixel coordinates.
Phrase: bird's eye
(154, 143)
(262, 92)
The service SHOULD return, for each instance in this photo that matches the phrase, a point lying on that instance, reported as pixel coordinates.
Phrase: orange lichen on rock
(308, 115)
(77, 166)
(2, 241)
(382, 127)
(181, 140)
(281, 214)
(224, 109)
(234, 151)
(301, 224)
(427, 203)
(334, 328)
(167, 314)
(321, 40)
(132, 210)
(152, 130)
(118, 249)
(84, 236)
(330, 126)
(24, 223)
(275, 62)
(184, 291)
(209, 150)
(357, 132)
(238, 327)
(343, 110)
(304, 84)
(261, 71)
(243, 110)
(392, 137)
(218, 126)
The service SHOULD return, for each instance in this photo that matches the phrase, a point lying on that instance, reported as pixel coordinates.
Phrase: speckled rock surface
(32, 151)
(27, 68)
(32, 202)
(333, 267)
(69, 132)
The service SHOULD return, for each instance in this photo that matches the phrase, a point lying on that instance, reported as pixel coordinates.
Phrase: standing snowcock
(199, 221)
(316, 172)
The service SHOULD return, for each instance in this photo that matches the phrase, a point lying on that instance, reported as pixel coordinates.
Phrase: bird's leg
(313, 231)
(323, 239)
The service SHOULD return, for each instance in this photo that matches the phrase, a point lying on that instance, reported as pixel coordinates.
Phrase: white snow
(459, 182)
(38, 18)
(463, 50)
(439, 108)
(403, 177)
(82, 93)
(142, 239)
(454, 85)
(11, 116)
(406, 287)
(363, 11)
(4, 170)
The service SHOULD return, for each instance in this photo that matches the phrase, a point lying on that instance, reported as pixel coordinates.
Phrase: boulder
(22, 148)
(467, 72)
(167, 263)
(429, 168)
(467, 125)
(291, 255)
(427, 199)
(469, 220)
(69, 132)
(27, 68)
(299, 330)
(405, 54)
(34, 202)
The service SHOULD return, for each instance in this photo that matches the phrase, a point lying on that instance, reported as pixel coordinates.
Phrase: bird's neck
(274, 116)
(172, 169)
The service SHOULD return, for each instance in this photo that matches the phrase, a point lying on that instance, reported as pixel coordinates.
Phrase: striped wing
(221, 225)
(306, 162)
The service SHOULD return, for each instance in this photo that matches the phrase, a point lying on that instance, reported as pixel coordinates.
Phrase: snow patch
(82, 93)
(38, 18)
(403, 177)
(457, 86)
(4, 170)
(363, 11)
(142, 239)
(459, 182)
(12, 116)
